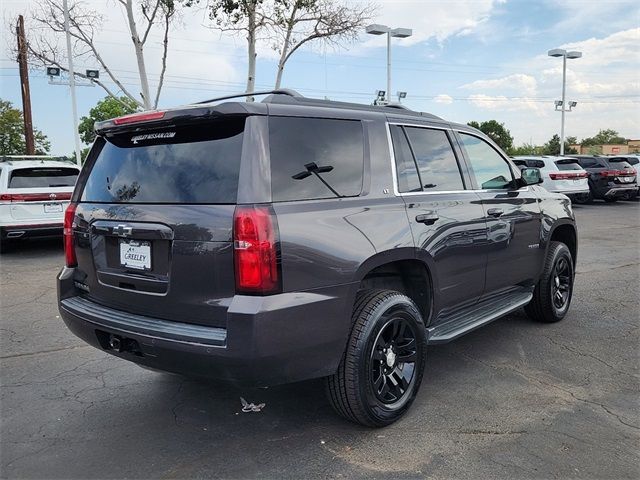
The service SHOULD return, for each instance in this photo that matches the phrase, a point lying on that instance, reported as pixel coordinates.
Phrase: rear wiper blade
(313, 169)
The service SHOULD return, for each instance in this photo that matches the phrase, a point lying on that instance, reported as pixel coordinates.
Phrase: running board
(480, 314)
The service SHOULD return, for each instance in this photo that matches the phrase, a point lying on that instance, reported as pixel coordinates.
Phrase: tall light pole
(559, 52)
(72, 83)
(377, 29)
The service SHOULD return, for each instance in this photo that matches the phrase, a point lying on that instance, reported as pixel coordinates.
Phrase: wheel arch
(565, 231)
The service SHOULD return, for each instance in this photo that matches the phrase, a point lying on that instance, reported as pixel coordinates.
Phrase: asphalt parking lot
(512, 400)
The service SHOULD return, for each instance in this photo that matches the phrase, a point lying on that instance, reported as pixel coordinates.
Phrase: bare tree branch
(169, 11)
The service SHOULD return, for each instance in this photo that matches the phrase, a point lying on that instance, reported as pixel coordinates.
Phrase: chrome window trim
(394, 172)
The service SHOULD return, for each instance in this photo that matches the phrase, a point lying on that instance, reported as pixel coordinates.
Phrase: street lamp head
(574, 54)
(402, 94)
(557, 52)
(573, 104)
(377, 29)
(401, 32)
(558, 103)
(380, 93)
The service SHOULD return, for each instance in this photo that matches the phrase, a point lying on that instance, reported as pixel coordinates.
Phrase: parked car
(272, 242)
(609, 181)
(34, 193)
(634, 161)
(559, 174)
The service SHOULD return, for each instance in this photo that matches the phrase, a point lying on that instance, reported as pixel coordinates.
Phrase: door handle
(427, 218)
(495, 212)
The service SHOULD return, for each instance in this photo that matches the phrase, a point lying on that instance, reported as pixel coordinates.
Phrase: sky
(466, 60)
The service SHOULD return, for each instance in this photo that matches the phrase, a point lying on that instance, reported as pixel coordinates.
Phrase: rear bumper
(268, 340)
(616, 192)
(8, 232)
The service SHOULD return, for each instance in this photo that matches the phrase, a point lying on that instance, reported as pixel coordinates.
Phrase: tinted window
(406, 170)
(436, 161)
(43, 177)
(490, 169)
(181, 165)
(568, 165)
(315, 158)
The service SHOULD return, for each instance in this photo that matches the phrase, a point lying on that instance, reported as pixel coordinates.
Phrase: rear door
(156, 215)
(39, 194)
(513, 217)
(447, 220)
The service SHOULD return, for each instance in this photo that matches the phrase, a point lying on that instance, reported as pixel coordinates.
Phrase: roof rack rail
(281, 91)
(20, 158)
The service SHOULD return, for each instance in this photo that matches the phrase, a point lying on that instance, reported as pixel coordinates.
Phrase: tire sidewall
(561, 252)
(380, 413)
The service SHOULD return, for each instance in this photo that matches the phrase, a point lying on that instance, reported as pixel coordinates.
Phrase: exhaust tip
(115, 343)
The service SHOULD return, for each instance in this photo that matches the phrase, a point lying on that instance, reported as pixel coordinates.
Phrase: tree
(552, 147)
(105, 109)
(604, 137)
(12, 141)
(524, 149)
(298, 22)
(240, 16)
(495, 131)
(84, 25)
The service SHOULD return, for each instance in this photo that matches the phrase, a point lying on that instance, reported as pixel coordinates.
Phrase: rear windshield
(44, 177)
(568, 165)
(190, 164)
(619, 162)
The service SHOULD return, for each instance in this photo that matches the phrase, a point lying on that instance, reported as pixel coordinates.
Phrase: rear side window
(406, 169)
(191, 164)
(568, 165)
(43, 177)
(437, 165)
(314, 158)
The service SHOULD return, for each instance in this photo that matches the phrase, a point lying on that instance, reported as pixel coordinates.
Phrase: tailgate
(154, 221)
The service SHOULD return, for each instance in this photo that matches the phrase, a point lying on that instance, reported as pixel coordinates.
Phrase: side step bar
(477, 316)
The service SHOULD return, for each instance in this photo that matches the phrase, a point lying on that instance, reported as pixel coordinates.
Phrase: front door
(512, 214)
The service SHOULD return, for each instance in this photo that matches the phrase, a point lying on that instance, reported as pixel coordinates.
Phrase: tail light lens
(69, 244)
(255, 244)
(618, 173)
(568, 175)
(140, 117)
(34, 197)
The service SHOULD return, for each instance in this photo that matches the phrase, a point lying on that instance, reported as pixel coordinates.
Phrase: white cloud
(444, 99)
(520, 82)
(432, 20)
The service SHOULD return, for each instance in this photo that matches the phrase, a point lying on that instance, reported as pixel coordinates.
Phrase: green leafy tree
(497, 132)
(12, 140)
(525, 149)
(604, 137)
(552, 147)
(105, 109)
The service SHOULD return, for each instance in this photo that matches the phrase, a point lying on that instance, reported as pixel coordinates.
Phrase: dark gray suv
(272, 242)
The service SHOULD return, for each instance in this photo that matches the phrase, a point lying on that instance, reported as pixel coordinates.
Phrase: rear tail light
(139, 117)
(255, 244)
(34, 197)
(69, 243)
(618, 173)
(568, 175)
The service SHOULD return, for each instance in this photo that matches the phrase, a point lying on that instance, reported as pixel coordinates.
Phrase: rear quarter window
(315, 158)
(43, 177)
(195, 164)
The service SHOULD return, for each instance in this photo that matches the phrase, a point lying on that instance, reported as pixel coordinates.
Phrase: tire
(358, 391)
(545, 306)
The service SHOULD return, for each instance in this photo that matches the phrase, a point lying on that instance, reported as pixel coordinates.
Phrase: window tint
(436, 161)
(43, 177)
(406, 170)
(568, 165)
(315, 158)
(490, 169)
(182, 165)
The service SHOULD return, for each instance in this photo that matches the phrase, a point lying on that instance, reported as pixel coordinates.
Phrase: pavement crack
(42, 352)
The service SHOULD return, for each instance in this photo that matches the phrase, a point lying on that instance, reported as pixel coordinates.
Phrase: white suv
(34, 193)
(559, 174)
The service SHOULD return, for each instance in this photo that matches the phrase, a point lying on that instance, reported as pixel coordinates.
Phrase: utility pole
(24, 84)
(72, 83)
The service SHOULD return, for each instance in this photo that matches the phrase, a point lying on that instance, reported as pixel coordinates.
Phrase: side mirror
(531, 176)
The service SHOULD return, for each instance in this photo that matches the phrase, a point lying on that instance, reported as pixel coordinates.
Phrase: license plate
(135, 254)
(52, 208)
